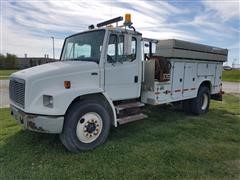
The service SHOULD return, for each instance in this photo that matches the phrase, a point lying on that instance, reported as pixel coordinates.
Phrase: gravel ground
(231, 87)
(228, 87)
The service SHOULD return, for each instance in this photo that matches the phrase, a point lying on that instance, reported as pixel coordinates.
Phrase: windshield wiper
(74, 59)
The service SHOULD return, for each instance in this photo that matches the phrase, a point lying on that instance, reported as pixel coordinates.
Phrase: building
(235, 66)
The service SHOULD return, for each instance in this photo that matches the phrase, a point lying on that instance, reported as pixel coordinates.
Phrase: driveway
(228, 87)
(231, 87)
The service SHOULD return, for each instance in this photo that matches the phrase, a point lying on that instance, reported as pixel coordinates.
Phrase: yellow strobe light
(128, 19)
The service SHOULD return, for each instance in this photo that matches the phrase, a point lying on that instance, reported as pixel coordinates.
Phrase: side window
(120, 45)
(112, 49)
(115, 51)
(147, 46)
(120, 53)
(131, 57)
(134, 49)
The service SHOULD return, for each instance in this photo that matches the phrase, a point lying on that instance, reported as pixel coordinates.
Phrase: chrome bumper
(38, 123)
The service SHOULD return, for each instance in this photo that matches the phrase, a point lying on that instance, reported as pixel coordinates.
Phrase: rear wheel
(86, 126)
(200, 104)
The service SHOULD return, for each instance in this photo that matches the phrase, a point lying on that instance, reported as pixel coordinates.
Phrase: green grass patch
(231, 76)
(167, 145)
(4, 74)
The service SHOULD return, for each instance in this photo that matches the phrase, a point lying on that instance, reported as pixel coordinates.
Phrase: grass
(231, 76)
(167, 145)
(4, 74)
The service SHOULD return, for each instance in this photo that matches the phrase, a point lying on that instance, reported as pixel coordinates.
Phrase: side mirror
(128, 44)
(146, 45)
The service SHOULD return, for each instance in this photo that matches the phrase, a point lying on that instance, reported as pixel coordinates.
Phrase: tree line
(8, 61)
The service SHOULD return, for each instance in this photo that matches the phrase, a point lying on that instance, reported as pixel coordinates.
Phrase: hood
(48, 79)
(55, 68)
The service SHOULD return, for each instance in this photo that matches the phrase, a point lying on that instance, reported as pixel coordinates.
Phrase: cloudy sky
(27, 25)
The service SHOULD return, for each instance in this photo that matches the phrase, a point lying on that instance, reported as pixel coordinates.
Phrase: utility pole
(53, 47)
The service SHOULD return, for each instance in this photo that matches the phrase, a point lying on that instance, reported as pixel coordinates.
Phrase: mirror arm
(132, 28)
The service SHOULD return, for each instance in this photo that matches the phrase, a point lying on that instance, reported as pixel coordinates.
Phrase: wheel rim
(204, 101)
(89, 127)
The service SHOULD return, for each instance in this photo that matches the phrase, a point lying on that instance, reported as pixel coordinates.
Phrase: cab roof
(113, 29)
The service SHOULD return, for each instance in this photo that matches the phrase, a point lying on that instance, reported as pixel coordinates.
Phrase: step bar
(121, 107)
(131, 118)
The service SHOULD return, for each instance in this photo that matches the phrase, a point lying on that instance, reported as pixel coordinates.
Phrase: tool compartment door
(217, 78)
(206, 69)
(189, 83)
(163, 92)
(177, 79)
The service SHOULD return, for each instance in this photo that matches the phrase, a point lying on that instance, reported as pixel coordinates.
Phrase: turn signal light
(67, 84)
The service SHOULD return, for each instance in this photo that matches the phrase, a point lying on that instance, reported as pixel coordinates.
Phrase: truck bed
(185, 78)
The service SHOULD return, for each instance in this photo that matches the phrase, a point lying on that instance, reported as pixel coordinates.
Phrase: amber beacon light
(127, 21)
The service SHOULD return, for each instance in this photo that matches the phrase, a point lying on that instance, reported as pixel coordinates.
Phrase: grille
(17, 91)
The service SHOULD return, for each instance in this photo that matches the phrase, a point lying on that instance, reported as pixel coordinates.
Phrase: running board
(121, 107)
(131, 118)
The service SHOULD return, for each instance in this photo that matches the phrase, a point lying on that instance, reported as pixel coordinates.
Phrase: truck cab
(118, 55)
(103, 78)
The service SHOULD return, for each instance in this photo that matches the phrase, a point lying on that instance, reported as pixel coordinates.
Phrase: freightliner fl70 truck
(106, 75)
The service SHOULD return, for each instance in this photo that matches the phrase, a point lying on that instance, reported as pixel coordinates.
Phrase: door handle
(94, 73)
(135, 79)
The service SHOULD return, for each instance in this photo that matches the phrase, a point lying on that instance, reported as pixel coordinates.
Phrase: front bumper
(38, 123)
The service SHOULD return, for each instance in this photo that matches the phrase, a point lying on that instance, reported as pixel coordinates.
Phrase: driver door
(122, 71)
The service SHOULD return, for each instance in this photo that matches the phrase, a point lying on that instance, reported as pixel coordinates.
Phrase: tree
(2, 61)
(8, 62)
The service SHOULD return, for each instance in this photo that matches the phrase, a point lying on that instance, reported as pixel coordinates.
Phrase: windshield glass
(84, 47)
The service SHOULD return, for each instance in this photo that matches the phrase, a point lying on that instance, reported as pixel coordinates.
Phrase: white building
(235, 66)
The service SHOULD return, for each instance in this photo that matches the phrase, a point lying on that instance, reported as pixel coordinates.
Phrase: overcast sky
(26, 26)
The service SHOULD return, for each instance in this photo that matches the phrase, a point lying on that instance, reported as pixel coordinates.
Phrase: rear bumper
(38, 123)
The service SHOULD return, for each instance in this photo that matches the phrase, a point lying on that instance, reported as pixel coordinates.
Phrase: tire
(186, 105)
(87, 124)
(200, 104)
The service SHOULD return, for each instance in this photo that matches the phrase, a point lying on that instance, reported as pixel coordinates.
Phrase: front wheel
(86, 126)
(200, 104)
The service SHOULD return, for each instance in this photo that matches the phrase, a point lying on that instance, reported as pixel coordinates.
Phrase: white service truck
(105, 75)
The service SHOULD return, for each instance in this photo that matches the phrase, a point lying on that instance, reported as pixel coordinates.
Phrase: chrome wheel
(89, 127)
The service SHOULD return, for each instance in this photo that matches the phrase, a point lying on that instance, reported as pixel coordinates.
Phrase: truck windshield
(84, 47)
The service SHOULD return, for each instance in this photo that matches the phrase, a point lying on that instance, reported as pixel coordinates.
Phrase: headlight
(48, 101)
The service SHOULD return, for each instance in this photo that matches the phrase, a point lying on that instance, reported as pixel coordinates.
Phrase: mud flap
(218, 96)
